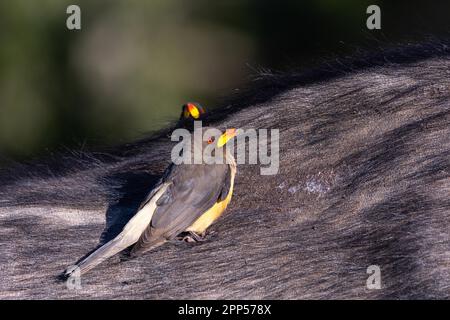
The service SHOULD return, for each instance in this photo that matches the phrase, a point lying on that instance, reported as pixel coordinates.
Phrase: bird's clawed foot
(192, 237)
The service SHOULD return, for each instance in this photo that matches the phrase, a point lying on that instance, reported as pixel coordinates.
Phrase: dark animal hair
(363, 180)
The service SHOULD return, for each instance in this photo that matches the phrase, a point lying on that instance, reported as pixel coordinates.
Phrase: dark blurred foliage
(135, 62)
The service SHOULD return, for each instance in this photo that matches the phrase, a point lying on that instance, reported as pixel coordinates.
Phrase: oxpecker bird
(190, 112)
(187, 199)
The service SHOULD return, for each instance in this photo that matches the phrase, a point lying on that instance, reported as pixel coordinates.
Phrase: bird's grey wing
(193, 189)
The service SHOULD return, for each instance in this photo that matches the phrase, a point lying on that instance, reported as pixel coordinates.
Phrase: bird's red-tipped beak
(193, 110)
(223, 139)
(231, 132)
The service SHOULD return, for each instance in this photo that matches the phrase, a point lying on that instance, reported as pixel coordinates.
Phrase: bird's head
(210, 142)
(192, 111)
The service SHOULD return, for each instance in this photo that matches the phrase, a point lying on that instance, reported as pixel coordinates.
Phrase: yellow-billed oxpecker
(190, 112)
(187, 199)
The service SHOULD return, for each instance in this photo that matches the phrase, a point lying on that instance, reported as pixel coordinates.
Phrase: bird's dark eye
(211, 140)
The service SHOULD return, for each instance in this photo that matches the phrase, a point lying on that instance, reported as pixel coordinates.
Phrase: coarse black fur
(364, 180)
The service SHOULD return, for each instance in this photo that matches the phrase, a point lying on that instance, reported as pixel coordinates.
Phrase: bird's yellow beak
(192, 110)
(223, 139)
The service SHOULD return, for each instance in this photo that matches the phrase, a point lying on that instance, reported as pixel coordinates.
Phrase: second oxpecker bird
(190, 112)
(188, 198)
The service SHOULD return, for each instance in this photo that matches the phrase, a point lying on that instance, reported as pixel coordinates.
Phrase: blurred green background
(135, 62)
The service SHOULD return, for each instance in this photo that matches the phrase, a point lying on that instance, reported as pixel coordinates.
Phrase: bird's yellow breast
(201, 224)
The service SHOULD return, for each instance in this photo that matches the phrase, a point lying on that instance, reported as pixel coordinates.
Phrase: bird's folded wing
(193, 189)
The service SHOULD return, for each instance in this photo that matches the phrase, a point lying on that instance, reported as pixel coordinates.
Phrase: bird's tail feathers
(98, 256)
(129, 236)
